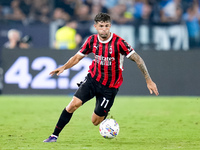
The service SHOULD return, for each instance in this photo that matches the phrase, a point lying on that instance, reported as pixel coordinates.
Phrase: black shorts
(104, 95)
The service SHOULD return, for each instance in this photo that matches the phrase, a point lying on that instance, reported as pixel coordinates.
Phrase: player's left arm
(141, 65)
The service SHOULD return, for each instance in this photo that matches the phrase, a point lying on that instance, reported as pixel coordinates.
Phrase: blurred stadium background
(166, 33)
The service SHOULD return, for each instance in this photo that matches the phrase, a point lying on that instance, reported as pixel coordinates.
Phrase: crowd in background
(162, 12)
(122, 11)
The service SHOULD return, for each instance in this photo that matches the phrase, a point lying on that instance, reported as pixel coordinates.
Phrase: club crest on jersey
(110, 50)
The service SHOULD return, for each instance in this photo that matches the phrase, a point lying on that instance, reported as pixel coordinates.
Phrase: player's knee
(73, 105)
(95, 122)
(96, 119)
(71, 108)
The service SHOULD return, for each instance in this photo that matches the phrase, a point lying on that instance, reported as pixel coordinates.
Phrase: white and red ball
(109, 128)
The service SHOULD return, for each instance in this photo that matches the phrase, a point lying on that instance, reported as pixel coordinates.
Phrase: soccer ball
(109, 128)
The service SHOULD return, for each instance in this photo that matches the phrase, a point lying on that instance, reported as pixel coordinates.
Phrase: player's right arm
(70, 63)
(84, 50)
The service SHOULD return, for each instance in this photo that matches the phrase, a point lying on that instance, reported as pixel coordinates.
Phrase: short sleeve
(126, 49)
(86, 47)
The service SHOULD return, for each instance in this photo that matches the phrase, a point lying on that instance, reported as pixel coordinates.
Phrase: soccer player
(105, 73)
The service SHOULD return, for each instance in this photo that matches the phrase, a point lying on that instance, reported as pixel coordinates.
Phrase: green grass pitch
(146, 123)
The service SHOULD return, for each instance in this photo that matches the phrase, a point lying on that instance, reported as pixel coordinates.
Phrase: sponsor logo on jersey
(107, 61)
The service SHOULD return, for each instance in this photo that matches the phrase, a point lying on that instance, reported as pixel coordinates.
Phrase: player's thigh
(86, 90)
(104, 101)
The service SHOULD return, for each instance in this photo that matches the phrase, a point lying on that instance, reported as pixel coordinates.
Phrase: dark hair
(104, 17)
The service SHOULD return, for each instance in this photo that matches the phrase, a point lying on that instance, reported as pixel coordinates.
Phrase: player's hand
(57, 71)
(152, 87)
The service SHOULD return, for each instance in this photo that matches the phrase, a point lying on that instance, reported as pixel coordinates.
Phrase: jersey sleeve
(126, 49)
(86, 47)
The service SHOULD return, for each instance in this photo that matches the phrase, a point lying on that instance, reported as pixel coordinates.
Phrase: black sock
(63, 120)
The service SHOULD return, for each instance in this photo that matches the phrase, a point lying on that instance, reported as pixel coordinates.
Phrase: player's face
(103, 29)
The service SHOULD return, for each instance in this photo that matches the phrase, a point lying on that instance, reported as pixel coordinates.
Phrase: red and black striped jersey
(107, 65)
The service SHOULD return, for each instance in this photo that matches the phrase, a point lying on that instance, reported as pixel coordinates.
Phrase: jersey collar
(106, 40)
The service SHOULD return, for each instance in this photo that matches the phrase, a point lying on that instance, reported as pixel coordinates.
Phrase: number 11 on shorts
(106, 101)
